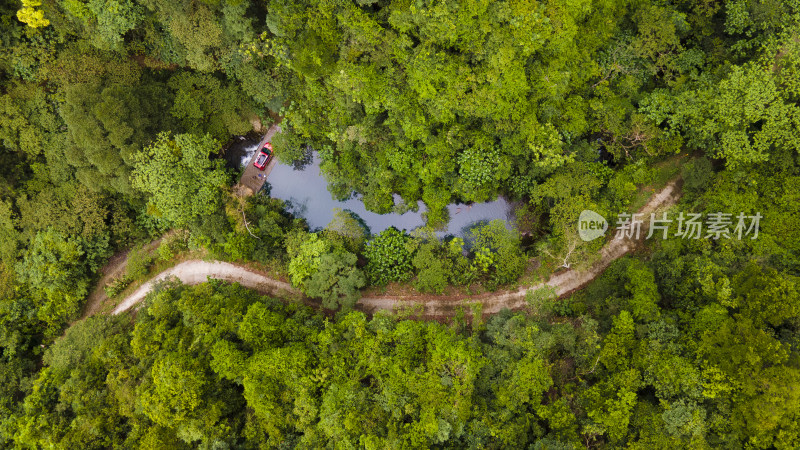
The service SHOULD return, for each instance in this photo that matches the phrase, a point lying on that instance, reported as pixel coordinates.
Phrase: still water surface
(306, 192)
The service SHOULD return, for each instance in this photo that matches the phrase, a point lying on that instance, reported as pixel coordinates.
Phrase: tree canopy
(115, 115)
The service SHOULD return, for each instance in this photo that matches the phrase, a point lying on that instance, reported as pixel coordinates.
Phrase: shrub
(139, 262)
(389, 255)
(116, 285)
(171, 245)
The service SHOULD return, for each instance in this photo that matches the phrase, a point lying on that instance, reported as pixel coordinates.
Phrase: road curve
(198, 271)
(564, 282)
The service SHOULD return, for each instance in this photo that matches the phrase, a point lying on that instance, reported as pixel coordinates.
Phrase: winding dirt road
(565, 282)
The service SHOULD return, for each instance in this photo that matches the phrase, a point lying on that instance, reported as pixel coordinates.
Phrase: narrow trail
(425, 307)
(114, 268)
(197, 271)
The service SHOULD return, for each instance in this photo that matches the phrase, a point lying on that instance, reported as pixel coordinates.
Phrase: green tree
(434, 269)
(336, 281)
(502, 244)
(28, 120)
(54, 268)
(766, 296)
(389, 256)
(203, 104)
(305, 251)
(105, 137)
(347, 226)
(439, 101)
(109, 20)
(611, 404)
(643, 288)
(182, 183)
(743, 118)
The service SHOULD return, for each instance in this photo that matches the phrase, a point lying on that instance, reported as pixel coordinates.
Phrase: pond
(305, 190)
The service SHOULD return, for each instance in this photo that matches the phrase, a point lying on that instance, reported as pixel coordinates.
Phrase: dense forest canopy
(113, 118)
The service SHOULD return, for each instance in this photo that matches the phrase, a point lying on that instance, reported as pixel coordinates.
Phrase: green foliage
(766, 296)
(545, 304)
(55, 270)
(389, 256)
(346, 226)
(697, 175)
(204, 105)
(272, 226)
(138, 263)
(477, 168)
(611, 405)
(434, 270)
(109, 20)
(561, 106)
(643, 288)
(463, 271)
(103, 138)
(171, 245)
(437, 102)
(498, 252)
(565, 194)
(182, 183)
(743, 118)
(305, 251)
(9, 235)
(337, 281)
(116, 286)
(28, 120)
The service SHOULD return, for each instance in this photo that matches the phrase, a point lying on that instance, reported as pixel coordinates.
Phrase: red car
(264, 156)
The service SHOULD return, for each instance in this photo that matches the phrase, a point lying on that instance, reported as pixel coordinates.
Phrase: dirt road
(114, 268)
(194, 272)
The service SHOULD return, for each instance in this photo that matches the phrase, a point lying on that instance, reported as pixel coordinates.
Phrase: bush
(349, 230)
(239, 246)
(116, 285)
(389, 255)
(139, 262)
(305, 251)
(171, 245)
(463, 271)
(697, 175)
(434, 268)
(498, 249)
(337, 281)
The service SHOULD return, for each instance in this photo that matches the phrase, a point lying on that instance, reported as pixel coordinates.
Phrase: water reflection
(306, 159)
(305, 190)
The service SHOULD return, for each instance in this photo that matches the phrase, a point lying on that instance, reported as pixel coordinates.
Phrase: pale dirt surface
(196, 272)
(563, 282)
(115, 267)
(250, 183)
(428, 307)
